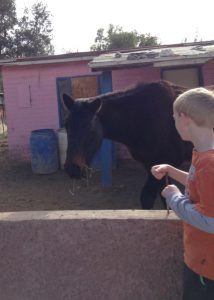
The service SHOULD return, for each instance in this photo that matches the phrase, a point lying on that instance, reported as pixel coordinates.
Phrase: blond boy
(194, 121)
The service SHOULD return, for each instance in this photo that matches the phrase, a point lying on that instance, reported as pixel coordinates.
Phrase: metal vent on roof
(166, 52)
(118, 55)
(136, 56)
(198, 48)
(152, 54)
(142, 55)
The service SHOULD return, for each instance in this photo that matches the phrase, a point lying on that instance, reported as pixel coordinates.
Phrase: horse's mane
(170, 87)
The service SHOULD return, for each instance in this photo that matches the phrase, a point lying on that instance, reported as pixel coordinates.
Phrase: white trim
(158, 62)
(187, 61)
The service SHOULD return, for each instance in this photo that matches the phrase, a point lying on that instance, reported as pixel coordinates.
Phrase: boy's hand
(159, 171)
(169, 190)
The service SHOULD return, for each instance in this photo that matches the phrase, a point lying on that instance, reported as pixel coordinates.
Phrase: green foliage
(33, 35)
(7, 22)
(147, 40)
(116, 38)
(30, 35)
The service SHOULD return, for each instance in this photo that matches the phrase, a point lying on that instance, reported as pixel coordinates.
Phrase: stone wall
(89, 255)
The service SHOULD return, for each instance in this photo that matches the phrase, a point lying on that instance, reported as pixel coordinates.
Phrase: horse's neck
(112, 120)
(108, 121)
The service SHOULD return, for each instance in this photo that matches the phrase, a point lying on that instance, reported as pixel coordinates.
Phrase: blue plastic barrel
(44, 151)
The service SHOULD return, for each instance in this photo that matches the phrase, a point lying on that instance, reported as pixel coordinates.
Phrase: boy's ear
(68, 101)
(186, 119)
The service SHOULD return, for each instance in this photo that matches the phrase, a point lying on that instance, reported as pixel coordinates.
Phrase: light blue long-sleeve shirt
(186, 210)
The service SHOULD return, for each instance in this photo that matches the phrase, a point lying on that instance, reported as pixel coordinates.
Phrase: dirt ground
(21, 190)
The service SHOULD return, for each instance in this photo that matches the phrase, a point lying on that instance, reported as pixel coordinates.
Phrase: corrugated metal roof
(47, 59)
(172, 55)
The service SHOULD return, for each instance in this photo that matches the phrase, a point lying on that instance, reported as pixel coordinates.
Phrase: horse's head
(84, 133)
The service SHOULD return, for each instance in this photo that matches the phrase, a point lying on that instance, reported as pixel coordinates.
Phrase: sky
(75, 23)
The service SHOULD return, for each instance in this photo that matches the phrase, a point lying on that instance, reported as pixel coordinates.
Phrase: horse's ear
(68, 101)
(95, 105)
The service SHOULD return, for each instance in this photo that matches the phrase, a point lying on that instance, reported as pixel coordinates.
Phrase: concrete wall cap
(87, 214)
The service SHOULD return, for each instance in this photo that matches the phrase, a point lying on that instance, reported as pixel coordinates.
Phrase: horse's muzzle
(74, 171)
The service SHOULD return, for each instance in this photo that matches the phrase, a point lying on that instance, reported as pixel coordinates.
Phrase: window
(188, 77)
(77, 87)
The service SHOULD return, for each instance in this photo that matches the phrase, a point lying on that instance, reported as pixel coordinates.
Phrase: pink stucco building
(31, 98)
(33, 86)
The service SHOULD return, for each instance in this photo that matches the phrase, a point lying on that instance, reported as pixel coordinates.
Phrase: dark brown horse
(140, 118)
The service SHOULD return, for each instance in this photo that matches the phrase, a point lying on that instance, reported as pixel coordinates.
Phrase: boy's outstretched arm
(159, 171)
(186, 210)
(180, 204)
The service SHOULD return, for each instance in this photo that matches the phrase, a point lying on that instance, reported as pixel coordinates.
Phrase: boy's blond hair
(198, 104)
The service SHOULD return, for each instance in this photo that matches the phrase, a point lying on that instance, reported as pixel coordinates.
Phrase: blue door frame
(60, 107)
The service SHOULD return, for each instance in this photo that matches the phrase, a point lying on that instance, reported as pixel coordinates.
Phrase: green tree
(7, 22)
(147, 40)
(116, 38)
(33, 35)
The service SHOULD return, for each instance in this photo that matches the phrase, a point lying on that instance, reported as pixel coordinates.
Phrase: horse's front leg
(149, 192)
